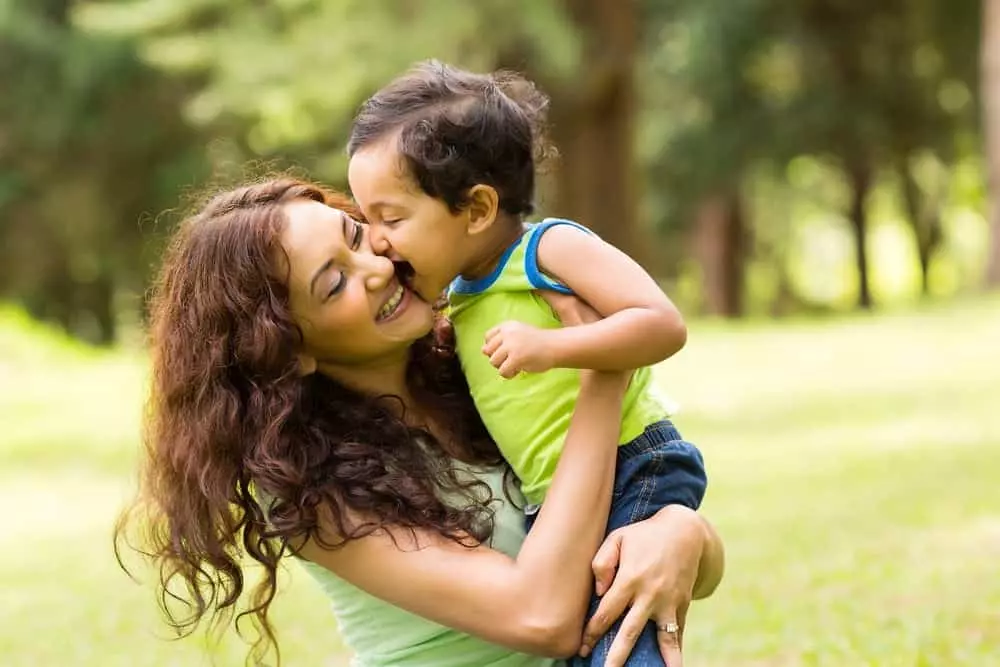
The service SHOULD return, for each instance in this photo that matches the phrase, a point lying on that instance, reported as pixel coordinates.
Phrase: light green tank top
(529, 415)
(381, 635)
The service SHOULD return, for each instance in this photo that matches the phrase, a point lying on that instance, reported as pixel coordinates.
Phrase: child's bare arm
(641, 326)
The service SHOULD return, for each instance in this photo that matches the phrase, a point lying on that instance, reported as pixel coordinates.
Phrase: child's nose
(379, 241)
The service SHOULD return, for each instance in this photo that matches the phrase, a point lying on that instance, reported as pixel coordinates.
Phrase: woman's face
(348, 302)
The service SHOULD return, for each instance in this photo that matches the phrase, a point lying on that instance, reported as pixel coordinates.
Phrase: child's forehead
(382, 172)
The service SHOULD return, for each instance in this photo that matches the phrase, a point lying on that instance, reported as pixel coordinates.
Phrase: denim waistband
(654, 435)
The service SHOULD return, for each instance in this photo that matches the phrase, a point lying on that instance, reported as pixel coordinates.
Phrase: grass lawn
(855, 476)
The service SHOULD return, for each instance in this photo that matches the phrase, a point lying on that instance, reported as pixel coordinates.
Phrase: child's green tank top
(529, 415)
(382, 635)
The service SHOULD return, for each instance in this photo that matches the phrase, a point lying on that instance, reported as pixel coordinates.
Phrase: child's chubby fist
(515, 347)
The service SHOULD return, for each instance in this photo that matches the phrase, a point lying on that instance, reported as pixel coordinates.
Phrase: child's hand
(514, 347)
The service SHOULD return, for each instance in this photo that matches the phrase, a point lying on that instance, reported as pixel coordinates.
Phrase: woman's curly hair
(231, 422)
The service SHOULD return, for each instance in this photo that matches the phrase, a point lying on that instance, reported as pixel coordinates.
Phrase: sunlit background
(809, 179)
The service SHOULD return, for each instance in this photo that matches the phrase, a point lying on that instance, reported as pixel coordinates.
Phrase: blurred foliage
(91, 142)
(761, 156)
(288, 75)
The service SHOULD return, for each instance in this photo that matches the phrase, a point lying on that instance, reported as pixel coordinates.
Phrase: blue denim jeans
(657, 469)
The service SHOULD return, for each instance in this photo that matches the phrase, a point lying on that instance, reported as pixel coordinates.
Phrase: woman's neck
(385, 378)
(382, 378)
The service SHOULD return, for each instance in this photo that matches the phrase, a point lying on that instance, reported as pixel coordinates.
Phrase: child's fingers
(498, 358)
(491, 345)
(509, 368)
(492, 332)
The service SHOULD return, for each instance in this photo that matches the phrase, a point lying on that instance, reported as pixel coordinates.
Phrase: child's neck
(495, 243)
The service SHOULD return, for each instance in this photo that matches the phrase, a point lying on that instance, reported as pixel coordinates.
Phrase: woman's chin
(413, 320)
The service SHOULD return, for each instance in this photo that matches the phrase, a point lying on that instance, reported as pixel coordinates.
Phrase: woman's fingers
(606, 562)
(570, 310)
(670, 636)
(561, 305)
(682, 614)
(609, 610)
(632, 626)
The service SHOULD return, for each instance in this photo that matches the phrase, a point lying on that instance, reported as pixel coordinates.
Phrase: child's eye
(390, 222)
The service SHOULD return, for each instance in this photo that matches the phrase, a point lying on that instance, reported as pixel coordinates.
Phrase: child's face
(407, 225)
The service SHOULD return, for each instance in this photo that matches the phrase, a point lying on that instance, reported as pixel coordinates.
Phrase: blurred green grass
(854, 476)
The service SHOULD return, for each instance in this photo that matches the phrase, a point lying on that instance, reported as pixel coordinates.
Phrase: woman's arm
(534, 603)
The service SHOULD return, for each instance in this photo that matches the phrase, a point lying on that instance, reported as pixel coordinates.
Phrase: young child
(443, 166)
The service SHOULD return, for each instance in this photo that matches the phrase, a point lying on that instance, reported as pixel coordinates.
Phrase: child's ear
(482, 208)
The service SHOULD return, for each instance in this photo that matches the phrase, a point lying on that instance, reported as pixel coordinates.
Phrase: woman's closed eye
(337, 286)
(357, 235)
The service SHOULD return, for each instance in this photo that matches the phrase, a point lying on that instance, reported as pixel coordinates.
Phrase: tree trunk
(990, 84)
(720, 245)
(860, 177)
(925, 221)
(593, 126)
(101, 304)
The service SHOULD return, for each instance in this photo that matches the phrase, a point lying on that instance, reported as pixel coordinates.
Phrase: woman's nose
(379, 271)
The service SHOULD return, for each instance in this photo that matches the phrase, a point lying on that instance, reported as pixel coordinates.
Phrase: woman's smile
(394, 305)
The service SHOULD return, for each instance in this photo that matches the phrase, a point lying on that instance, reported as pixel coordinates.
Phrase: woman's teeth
(392, 304)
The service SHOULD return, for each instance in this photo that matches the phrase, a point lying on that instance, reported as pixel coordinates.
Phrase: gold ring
(670, 628)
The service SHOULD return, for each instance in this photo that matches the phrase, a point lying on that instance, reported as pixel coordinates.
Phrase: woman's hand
(571, 310)
(658, 563)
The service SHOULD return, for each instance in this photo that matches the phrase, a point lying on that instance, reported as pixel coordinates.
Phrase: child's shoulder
(537, 229)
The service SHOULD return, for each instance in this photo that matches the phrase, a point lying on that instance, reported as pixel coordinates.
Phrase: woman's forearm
(554, 564)
(535, 602)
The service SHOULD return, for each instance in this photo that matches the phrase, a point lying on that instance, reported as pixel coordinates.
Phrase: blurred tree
(291, 74)
(877, 87)
(703, 127)
(928, 96)
(593, 124)
(668, 116)
(991, 125)
(90, 140)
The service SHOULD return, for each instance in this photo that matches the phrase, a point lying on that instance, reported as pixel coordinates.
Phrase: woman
(302, 405)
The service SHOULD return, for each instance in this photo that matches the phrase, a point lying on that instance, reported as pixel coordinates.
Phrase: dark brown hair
(457, 129)
(230, 422)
